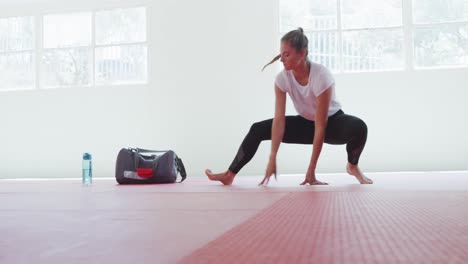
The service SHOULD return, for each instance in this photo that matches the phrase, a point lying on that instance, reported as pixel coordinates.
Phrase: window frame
(40, 84)
(38, 49)
(416, 26)
(32, 50)
(408, 27)
(134, 43)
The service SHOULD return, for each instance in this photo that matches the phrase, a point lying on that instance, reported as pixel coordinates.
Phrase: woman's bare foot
(356, 172)
(225, 178)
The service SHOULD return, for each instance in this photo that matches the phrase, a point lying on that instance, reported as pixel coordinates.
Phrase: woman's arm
(321, 117)
(277, 132)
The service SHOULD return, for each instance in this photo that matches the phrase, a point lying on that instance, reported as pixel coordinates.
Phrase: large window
(440, 33)
(106, 47)
(67, 55)
(369, 35)
(17, 57)
(120, 46)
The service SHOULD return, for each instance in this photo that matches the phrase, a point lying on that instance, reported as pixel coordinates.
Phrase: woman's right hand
(271, 169)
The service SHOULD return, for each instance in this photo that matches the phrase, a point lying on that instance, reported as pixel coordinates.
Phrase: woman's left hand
(310, 179)
(271, 169)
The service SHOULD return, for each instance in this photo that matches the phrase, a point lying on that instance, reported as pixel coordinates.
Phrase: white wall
(205, 91)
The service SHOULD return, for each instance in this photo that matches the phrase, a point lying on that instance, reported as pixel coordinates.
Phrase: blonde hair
(297, 39)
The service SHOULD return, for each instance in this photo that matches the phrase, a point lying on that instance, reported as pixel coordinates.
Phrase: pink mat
(348, 227)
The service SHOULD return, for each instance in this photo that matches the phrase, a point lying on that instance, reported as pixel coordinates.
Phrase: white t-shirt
(305, 97)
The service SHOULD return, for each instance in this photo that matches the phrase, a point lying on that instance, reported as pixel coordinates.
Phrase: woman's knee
(255, 127)
(360, 127)
(260, 129)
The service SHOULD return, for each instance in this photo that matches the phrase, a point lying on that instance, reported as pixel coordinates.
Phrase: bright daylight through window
(368, 35)
(106, 47)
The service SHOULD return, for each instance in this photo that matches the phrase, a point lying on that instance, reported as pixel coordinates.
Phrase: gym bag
(137, 166)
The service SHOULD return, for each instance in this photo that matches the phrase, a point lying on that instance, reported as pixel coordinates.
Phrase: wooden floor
(402, 218)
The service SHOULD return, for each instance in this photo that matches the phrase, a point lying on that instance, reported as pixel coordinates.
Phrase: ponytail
(273, 60)
(297, 39)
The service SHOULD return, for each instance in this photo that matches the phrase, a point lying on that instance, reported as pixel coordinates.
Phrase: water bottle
(87, 170)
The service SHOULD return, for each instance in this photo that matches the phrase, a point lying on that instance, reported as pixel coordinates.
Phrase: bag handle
(140, 150)
(181, 168)
(137, 151)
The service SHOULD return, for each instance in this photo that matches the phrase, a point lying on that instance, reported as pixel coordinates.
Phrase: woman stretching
(312, 90)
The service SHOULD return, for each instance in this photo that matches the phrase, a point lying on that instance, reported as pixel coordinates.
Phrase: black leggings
(341, 129)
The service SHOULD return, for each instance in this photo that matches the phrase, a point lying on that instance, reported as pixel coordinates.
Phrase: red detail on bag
(145, 173)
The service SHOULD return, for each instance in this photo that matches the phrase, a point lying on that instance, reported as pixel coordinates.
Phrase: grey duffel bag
(137, 166)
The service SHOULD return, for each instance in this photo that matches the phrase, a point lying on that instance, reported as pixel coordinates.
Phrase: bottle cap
(86, 156)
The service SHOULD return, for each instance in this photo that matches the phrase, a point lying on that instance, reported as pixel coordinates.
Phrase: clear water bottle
(87, 170)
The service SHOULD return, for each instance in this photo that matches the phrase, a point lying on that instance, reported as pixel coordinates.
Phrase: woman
(312, 90)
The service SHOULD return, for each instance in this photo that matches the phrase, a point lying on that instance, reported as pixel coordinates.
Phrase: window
(366, 35)
(116, 54)
(120, 46)
(372, 35)
(440, 33)
(17, 57)
(67, 54)
(349, 35)
(107, 47)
